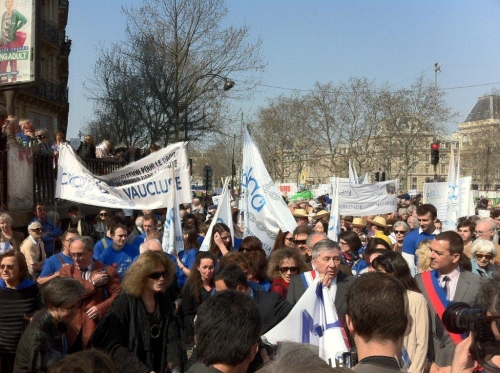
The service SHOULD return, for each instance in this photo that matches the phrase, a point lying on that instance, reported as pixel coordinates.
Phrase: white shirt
(452, 284)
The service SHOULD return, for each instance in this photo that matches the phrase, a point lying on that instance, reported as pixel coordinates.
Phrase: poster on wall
(17, 41)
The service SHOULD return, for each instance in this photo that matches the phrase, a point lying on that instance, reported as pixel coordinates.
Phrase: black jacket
(125, 334)
(273, 308)
(41, 344)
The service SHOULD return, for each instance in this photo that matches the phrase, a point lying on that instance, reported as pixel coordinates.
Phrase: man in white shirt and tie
(447, 282)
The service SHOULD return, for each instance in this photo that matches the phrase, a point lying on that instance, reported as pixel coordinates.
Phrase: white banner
(465, 201)
(287, 189)
(222, 215)
(173, 239)
(367, 199)
(437, 195)
(144, 184)
(264, 210)
(313, 320)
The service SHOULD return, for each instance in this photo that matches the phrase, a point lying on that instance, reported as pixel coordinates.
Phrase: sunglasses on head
(157, 275)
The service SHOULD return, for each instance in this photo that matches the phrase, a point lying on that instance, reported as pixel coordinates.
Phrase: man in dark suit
(326, 258)
(446, 283)
(272, 307)
(102, 286)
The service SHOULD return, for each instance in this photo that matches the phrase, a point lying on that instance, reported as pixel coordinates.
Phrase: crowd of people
(102, 287)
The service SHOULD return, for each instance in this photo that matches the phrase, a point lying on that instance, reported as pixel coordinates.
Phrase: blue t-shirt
(99, 247)
(139, 240)
(187, 258)
(412, 240)
(52, 231)
(121, 260)
(53, 264)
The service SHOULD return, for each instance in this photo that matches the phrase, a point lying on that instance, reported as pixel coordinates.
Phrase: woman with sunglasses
(416, 342)
(20, 298)
(33, 249)
(399, 231)
(140, 331)
(100, 224)
(283, 239)
(483, 252)
(283, 264)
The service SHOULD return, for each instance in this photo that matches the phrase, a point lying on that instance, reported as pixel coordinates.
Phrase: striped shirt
(16, 303)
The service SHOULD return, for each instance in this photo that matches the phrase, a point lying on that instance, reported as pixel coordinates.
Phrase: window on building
(443, 169)
(414, 183)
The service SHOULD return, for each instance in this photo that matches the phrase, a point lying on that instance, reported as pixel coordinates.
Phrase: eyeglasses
(342, 243)
(226, 238)
(299, 242)
(10, 267)
(37, 230)
(291, 269)
(479, 233)
(485, 256)
(289, 239)
(244, 249)
(400, 232)
(103, 214)
(157, 275)
(41, 137)
(77, 255)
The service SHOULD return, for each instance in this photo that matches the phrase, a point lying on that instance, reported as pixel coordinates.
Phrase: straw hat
(320, 214)
(379, 221)
(358, 222)
(300, 213)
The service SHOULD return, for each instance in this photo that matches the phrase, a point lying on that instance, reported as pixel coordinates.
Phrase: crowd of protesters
(139, 305)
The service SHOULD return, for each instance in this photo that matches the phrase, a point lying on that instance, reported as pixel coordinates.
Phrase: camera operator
(485, 332)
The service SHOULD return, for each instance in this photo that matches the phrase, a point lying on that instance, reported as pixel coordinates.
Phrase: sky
(304, 42)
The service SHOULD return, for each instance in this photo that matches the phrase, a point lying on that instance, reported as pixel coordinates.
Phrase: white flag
(173, 239)
(353, 177)
(222, 215)
(334, 222)
(265, 212)
(313, 320)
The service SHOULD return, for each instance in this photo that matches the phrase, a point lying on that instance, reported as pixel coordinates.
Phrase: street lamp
(228, 84)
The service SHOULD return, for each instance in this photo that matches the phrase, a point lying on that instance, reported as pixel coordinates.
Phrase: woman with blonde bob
(140, 332)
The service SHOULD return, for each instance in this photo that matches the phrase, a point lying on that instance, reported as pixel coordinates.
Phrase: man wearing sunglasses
(50, 231)
(44, 146)
(33, 249)
(102, 286)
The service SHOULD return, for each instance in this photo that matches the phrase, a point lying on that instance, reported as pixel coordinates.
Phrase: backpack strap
(60, 259)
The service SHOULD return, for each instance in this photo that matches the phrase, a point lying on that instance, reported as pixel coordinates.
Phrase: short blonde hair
(136, 276)
(424, 256)
(6, 217)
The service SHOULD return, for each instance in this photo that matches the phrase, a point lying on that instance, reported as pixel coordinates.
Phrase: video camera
(460, 318)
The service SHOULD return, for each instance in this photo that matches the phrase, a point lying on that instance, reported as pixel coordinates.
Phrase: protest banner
(366, 199)
(173, 239)
(222, 215)
(144, 184)
(313, 320)
(264, 210)
(437, 195)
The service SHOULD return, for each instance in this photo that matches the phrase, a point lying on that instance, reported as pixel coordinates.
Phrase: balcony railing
(63, 2)
(45, 174)
(51, 91)
(50, 32)
(65, 49)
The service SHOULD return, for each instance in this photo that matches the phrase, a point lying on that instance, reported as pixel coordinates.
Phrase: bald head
(150, 245)
(485, 229)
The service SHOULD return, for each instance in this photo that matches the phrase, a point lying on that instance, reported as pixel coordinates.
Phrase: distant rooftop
(487, 107)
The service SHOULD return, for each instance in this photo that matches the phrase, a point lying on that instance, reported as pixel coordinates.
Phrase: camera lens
(460, 318)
